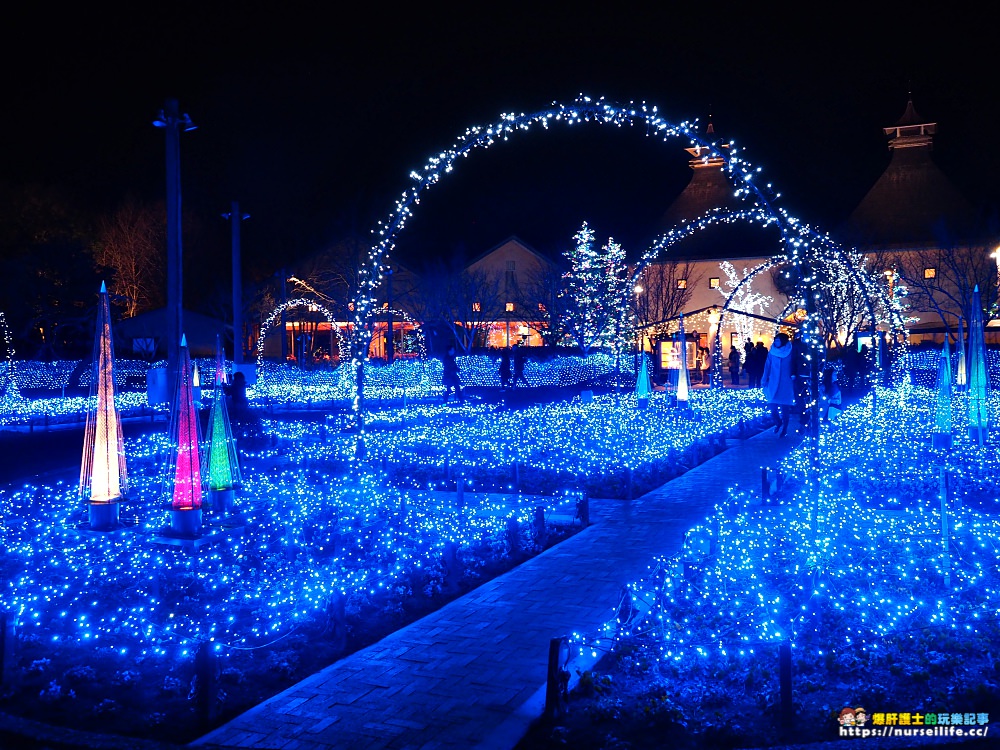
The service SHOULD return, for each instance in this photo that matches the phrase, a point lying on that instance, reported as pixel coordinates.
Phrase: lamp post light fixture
(173, 123)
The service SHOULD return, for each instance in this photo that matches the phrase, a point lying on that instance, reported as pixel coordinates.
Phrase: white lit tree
(742, 298)
(596, 293)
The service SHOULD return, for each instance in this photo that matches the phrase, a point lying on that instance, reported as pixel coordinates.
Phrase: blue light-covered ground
(878, 563)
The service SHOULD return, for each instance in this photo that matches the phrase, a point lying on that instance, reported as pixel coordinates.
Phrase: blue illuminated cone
(643, 384)
(942, 435)
(979, 384)
(961, 369)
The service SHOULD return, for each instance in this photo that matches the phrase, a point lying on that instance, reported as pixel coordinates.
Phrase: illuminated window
(930, 273)
(510, 307)
(385, 305)
(350, 306)
(541, 307)
(682, 283)
(477, 307)
(713, 283)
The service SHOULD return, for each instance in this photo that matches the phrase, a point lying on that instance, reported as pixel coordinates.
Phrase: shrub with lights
(877, 561)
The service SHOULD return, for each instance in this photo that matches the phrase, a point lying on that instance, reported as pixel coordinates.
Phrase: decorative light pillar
(103, 478)
(643, 385)
(184, 478)
(941, 438)
(220, 457)
(961, 369)
(683, 379)
(979, 384)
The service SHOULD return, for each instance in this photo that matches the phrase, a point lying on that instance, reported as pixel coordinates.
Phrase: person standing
(779, 388)
(450, 378)
(734, 365)
(505, 368)
(519, 365)
(757, 359)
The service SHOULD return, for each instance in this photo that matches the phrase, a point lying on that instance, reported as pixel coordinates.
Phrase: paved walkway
(472, 675)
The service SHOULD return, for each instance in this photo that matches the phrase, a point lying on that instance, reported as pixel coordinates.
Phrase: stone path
(472, 675)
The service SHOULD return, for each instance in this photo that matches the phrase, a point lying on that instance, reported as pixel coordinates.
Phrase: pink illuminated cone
(187, 487)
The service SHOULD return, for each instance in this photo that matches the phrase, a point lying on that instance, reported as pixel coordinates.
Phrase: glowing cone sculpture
(961, 370)
(942, 436)
(185, 484)
(103, 478)
(979, 384)
(643, 385)
(683, 379)
(220, 446)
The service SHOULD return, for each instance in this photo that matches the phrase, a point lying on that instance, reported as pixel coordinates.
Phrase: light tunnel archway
(797, 238)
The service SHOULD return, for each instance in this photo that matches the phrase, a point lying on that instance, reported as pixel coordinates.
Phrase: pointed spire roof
(913, 203)
(710, 188)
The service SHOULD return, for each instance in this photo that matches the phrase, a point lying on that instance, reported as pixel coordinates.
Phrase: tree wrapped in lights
(103, 476)
(979, 384)
(942, 436)
(595, 293)
(220, 447)
(742, 298)
(184, 481)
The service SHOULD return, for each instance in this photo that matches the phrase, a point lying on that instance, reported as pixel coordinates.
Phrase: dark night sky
(313, 120)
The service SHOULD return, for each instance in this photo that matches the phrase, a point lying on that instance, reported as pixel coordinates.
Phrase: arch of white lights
(8, 358)
(342, 345)
(799, 241)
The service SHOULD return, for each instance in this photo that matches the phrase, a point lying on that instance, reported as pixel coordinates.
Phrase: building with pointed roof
(912, 205)
(919, 231)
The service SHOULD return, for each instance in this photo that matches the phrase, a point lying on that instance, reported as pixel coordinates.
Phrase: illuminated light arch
(795, 235)
(802, 244)
(582, 109)
(8, 383)
(342, 344)
(406, 318)
(797, 238)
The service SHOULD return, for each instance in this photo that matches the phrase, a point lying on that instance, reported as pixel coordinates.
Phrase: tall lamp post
(389, 343)
(235, 217)
(996, 256)
(173, 124)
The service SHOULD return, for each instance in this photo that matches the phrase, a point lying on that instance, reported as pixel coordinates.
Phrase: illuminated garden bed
(312, 566)
(609, 446)
(885, 595)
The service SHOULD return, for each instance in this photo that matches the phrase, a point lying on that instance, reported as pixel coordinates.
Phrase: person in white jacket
(777, 382)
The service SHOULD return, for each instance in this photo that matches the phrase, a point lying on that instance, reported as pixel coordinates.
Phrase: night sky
(313, 120)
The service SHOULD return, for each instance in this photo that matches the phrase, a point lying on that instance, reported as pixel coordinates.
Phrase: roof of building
(710, 188)
(912, 204)
(515, 240)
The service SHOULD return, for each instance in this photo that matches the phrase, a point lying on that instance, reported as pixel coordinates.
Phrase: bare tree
(942, 279)
(661, 292)
(463, 302)
(538, 297)
(132, 243)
